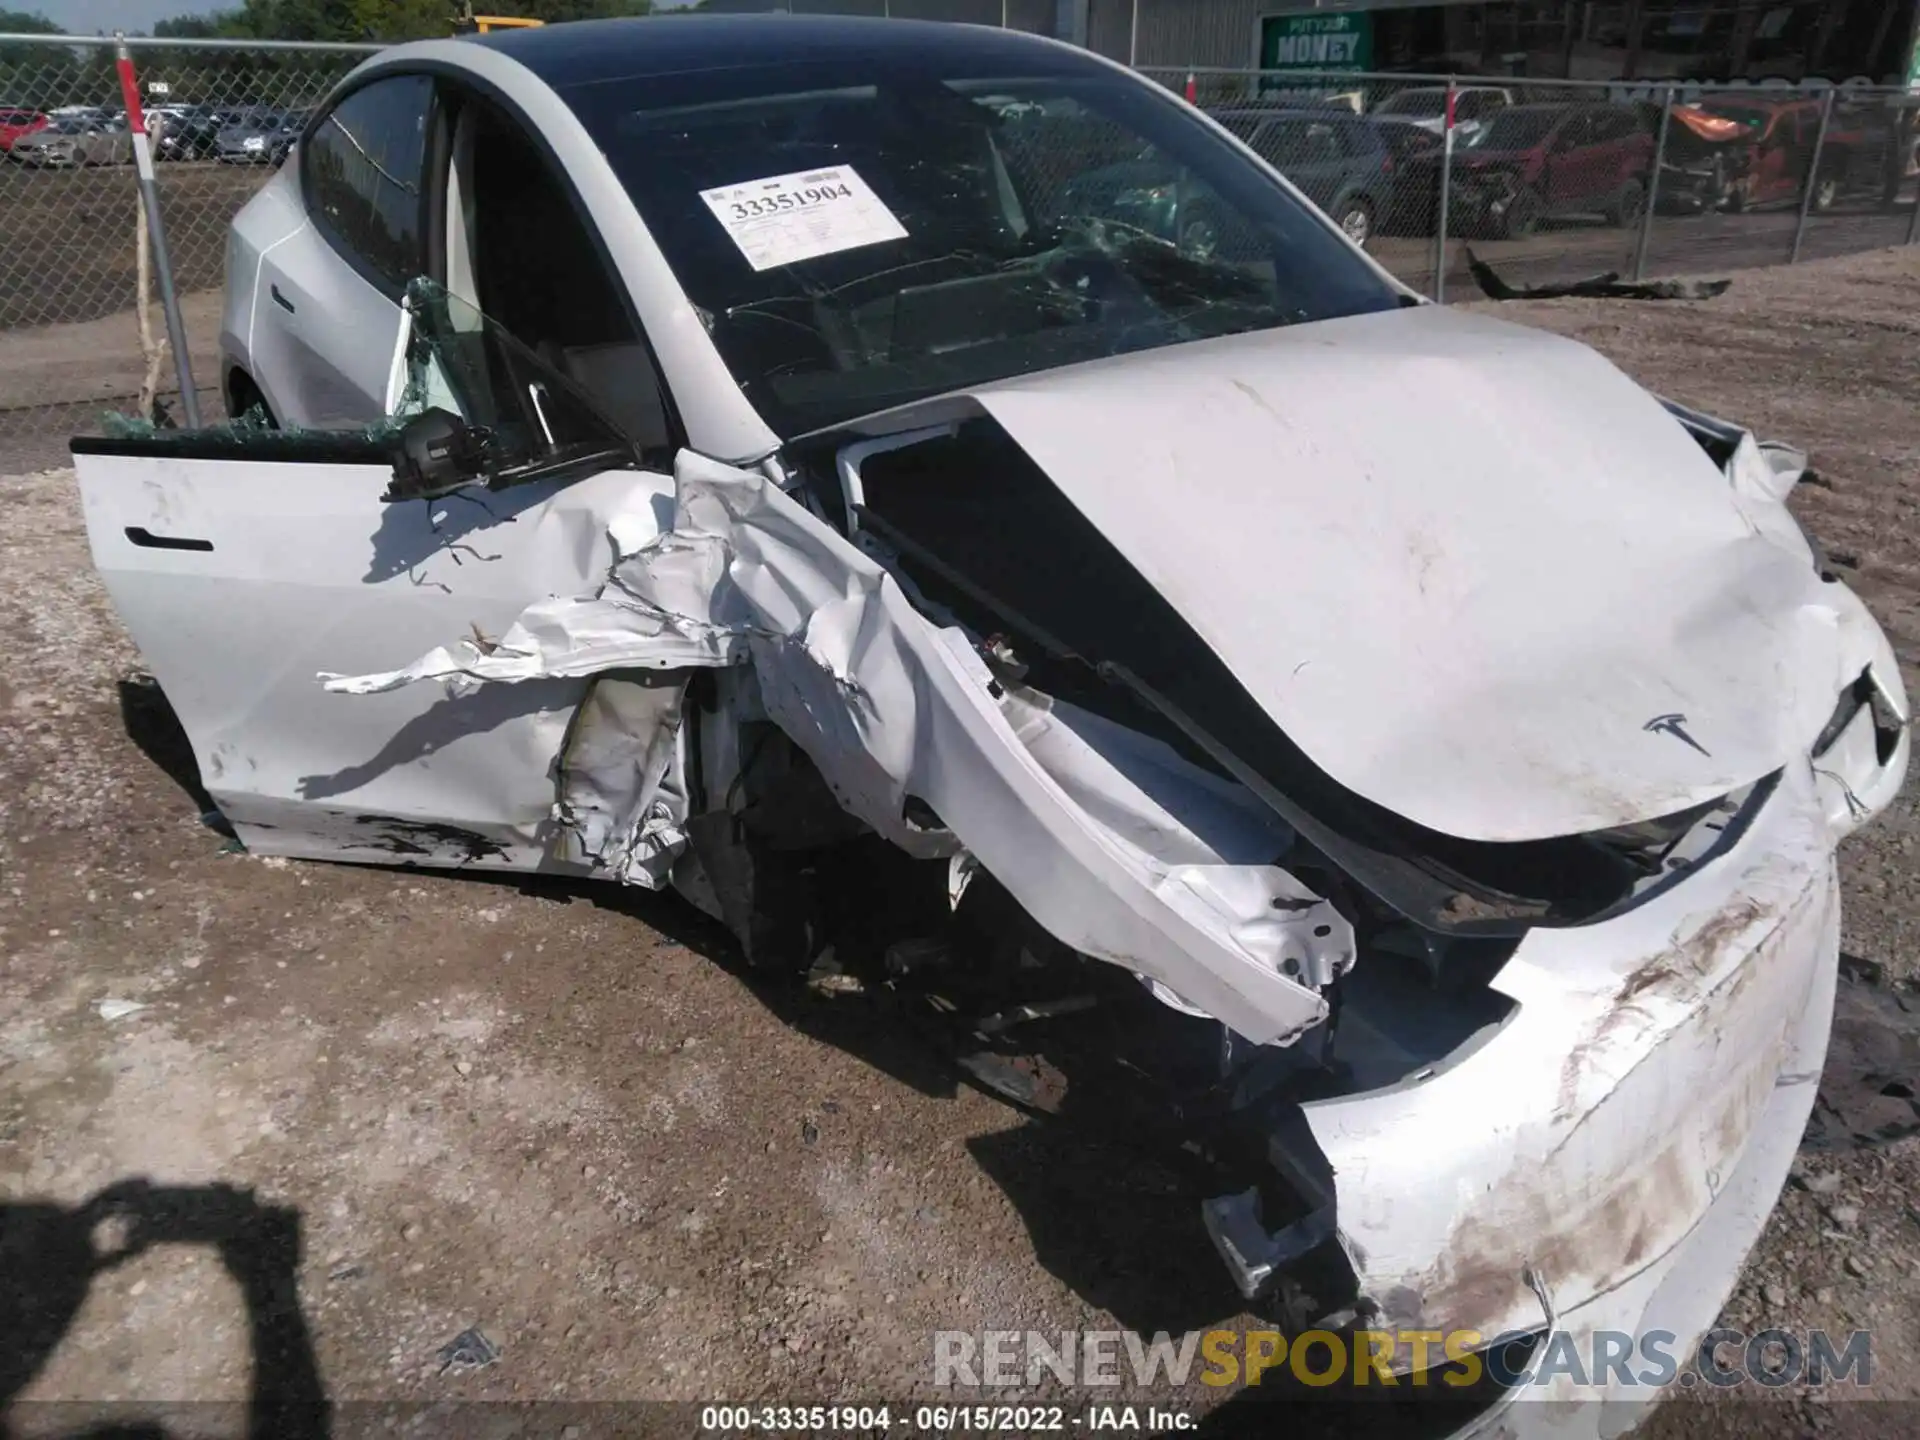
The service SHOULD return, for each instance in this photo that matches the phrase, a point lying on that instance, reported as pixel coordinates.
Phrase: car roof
(1293, 112)
(589, 50)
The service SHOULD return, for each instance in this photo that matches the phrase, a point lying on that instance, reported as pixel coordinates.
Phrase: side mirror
(435, 453)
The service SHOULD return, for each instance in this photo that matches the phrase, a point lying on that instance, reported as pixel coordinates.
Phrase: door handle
(282, 301)
(147, 540)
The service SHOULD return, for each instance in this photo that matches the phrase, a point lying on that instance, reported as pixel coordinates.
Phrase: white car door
(326, 313)
(242, 571)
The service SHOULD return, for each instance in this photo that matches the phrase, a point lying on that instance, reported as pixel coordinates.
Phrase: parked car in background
(1424, 107)
(72, 141)
(1771, 158)
(1537, 162)
(282, 141)
(261, 137)
(1339, 161)
(1703, 156)
(192, 132)
(16, 122)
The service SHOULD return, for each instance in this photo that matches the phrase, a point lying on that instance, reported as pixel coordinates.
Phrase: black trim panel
(272, 447)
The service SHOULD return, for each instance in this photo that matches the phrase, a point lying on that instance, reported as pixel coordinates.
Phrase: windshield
(1421, 103)
(857, 235)
(1516, 130)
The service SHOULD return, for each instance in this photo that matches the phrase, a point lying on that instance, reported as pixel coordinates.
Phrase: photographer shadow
(51, 1254)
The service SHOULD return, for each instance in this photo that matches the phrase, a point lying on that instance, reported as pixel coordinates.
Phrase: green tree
(40, 76)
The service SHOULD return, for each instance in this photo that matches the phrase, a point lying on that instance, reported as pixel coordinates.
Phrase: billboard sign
(1341, 41)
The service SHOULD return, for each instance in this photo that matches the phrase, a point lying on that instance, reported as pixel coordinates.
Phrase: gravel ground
(564, 1117)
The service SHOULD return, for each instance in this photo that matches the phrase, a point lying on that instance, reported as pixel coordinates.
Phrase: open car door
(246, 561)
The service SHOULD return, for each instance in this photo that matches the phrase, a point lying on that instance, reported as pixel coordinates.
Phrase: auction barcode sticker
(784, 219)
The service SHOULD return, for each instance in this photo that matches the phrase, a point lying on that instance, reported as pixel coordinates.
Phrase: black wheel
(245, 402)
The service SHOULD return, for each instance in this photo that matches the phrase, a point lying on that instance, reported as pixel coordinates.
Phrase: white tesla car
(708, 447)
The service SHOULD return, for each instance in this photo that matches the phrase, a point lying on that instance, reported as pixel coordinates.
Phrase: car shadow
(156, 732)
(1109, 1202)
(446, 720)
(51, 1254)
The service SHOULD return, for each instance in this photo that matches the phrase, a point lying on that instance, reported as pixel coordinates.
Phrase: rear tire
(244, 398)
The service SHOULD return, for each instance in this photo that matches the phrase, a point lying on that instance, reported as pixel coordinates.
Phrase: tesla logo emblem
(1676, 726)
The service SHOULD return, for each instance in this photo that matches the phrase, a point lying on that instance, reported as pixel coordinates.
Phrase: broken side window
(478, 404)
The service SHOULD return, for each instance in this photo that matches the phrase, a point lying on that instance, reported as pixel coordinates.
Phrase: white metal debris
(1166, 880)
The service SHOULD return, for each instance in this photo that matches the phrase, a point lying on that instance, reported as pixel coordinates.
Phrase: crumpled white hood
(1467, 566)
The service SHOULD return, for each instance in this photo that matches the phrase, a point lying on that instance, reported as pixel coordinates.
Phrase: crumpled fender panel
(1598, 1126)
(889, 706)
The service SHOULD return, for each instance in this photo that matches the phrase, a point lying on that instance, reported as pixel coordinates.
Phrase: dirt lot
(566, 1119)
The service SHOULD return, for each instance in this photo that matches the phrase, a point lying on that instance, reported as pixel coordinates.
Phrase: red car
(15, 123)
(1772, 158)
(1535, 162)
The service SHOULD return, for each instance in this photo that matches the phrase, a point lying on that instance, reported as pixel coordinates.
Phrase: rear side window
(361, 173)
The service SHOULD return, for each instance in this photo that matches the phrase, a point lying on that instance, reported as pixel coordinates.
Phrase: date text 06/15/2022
(942, 1419)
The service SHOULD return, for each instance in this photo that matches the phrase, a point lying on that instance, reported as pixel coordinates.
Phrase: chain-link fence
(1553, 181)
(1542, 180)
(73, 344)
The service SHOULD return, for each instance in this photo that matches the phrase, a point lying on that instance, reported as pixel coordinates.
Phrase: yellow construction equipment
(465, 22)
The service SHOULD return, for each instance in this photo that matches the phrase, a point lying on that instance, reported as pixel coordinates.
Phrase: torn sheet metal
(235, 631)
(623, 801)
(1718, 129)
(1676, 1050)
(891, 708)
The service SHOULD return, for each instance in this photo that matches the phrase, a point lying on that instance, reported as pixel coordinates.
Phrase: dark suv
(1536, 162)
(1337, 160)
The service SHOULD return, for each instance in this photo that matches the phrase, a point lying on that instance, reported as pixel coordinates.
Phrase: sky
(85, 17)
(88, 17)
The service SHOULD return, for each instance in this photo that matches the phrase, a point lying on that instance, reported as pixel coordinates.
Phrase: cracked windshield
(855, 240)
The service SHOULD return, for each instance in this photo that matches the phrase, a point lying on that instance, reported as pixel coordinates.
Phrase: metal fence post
(156, 233)
(1133, 38)
(1813, 178)
(1003, 14)
(1440, 205)
(1653, 189)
